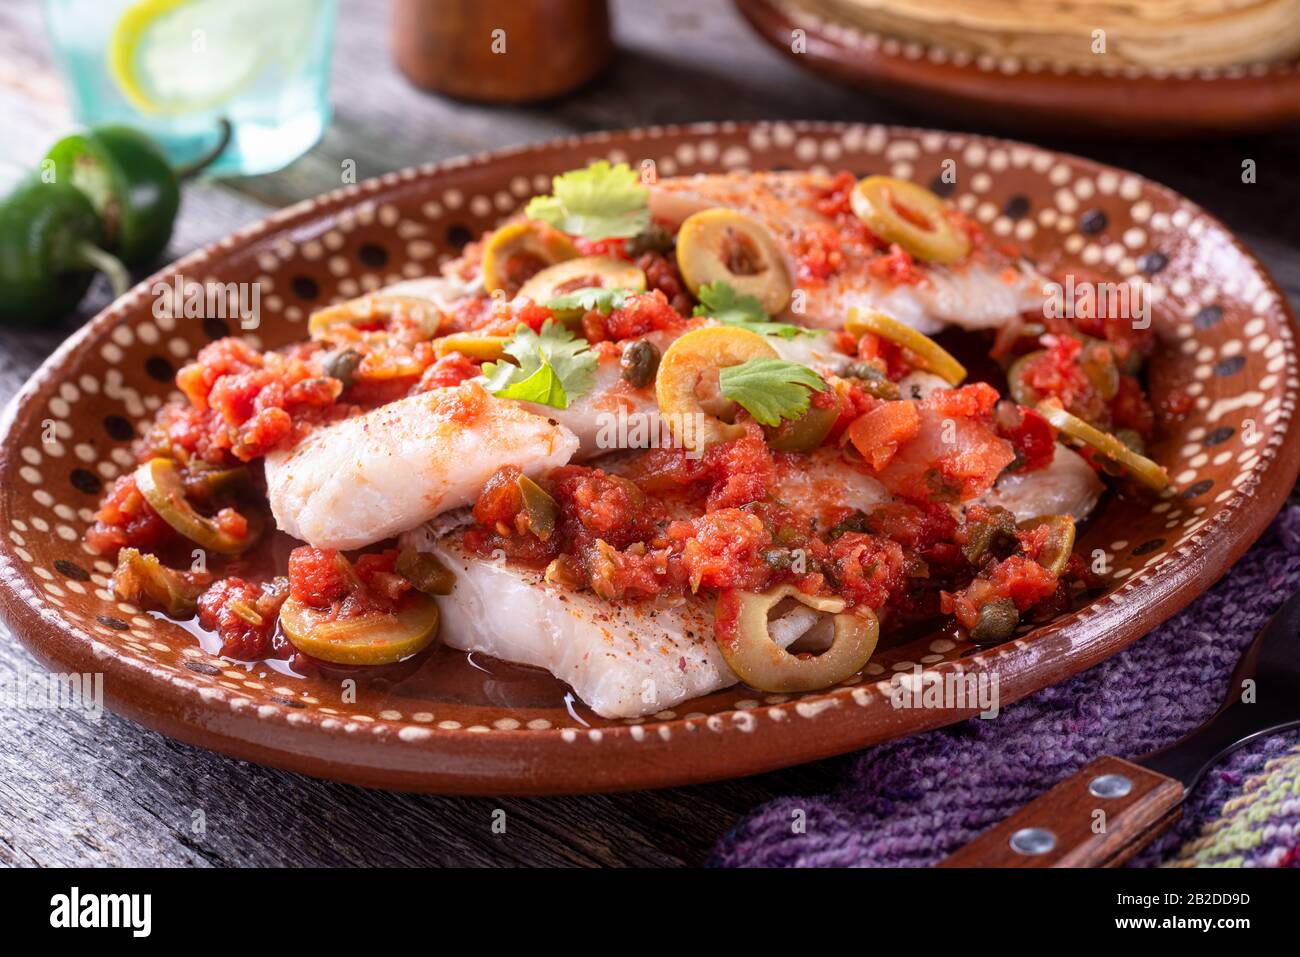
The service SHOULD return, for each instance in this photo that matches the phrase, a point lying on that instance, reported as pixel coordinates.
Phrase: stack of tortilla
(1153, 34)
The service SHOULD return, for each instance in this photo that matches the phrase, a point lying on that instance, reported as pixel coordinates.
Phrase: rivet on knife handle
(1097, 817)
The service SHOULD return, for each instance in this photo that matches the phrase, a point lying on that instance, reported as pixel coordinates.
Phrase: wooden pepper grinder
(501, 51)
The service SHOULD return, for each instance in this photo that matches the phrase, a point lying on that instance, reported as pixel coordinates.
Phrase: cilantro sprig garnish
(599, 202)
(553, 368)
(720, 301)
(770, 389)
(592, 298)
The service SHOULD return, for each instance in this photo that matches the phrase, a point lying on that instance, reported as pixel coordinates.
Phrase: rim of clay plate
(655, 753)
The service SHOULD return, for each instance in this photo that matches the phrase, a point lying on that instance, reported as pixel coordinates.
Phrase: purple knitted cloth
(913, 801)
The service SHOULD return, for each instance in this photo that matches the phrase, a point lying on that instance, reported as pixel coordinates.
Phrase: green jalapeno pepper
(51, 246)
(130, 183)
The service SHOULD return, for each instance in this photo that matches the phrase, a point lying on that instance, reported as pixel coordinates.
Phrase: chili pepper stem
(196, 166)
(95, 258)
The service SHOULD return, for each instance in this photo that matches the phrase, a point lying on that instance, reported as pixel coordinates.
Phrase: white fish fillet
(816, 352)
(623, 659)
(1068, 486)
(594, 417)
(981, 294)
(367, 478)
(823, 483)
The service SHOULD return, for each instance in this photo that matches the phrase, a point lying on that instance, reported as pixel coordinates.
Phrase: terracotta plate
(1027, 94)
(463, 725)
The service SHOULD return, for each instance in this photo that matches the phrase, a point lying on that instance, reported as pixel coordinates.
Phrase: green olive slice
(1020, 390)
(1098, 363)
(931, 356)
(234, 481)
(1060, 541)
(746, 644)
(425, 571)
(376, 639)
(804, 433)
(376, 307)
(141, 577)
(160, 484)
(541, 509)
(473, 344)
(902, 212)
(723, 245)
(688, 368)
(526, 247)
(1139, 466)
(586, 272)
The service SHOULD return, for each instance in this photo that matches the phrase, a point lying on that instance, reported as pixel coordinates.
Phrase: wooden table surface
(112, 793)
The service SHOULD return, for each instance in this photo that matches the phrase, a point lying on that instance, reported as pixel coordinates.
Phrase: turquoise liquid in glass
(261, 64)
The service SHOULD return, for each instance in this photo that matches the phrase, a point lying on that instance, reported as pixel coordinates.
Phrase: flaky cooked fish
(983, 293)
(623, 659)
(365, 479)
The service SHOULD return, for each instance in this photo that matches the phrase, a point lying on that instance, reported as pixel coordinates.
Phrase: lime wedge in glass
(186, 56)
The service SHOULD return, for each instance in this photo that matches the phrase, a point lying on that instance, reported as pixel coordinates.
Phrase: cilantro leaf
(543, 386)
(719, 300)
(593, 297)
(553, 368)
(599, 202)
(770, 389)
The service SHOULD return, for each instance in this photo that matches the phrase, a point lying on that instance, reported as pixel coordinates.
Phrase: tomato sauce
(663, 523)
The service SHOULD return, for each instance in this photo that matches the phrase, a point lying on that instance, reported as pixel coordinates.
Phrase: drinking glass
(175, 68)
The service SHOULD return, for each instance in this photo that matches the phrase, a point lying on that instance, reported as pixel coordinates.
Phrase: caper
(653, 239)
(872, 380)
(639, 362)
(207, 485)
(997, 622)
(342, 365)
(983, 536)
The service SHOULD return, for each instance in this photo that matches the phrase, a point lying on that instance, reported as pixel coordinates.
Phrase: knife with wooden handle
(1103, 814)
